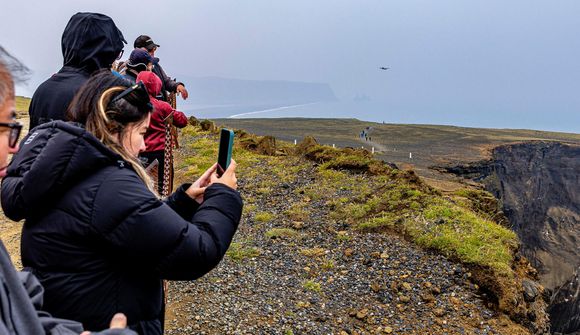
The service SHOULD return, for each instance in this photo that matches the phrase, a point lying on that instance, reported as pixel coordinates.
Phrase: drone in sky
(384, 68)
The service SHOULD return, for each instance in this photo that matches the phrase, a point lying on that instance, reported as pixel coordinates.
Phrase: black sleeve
(148, 234)
(180, 202)
(168, 83)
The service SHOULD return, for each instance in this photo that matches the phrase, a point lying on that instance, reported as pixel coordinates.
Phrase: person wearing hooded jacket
(155, 135)
(95, 234)
(21, 295)
(90, 42)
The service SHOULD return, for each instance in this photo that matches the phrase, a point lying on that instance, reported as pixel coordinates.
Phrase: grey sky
(503, 64)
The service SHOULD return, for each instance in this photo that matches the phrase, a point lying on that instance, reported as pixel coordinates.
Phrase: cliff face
(538, 184)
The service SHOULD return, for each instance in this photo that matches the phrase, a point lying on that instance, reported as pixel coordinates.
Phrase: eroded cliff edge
(538, 185)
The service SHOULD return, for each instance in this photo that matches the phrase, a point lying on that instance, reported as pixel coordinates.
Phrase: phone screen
(225, 150)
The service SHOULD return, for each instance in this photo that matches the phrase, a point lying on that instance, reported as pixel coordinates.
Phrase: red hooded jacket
(155, 135)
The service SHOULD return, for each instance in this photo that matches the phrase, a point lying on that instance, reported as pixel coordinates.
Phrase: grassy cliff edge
(366, 196)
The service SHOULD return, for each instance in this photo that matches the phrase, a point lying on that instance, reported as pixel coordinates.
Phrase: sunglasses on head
(142, 104)
(128, 91)
(15, 129)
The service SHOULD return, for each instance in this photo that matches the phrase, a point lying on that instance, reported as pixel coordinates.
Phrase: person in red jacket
(155, 135)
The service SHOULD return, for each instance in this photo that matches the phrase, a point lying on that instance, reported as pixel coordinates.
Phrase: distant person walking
(155, 136)
(167, 84)
(90, 42)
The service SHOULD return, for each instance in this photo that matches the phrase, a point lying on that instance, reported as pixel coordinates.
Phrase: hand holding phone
(225, 150)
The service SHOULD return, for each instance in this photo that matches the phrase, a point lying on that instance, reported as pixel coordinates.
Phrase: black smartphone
(225, 150)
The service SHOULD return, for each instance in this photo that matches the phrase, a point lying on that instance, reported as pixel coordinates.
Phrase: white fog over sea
(335, 109)
(366, 111)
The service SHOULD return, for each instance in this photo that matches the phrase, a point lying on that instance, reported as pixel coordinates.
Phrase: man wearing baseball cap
(168, 84)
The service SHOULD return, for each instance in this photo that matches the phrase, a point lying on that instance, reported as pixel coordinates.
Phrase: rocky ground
(306, 273)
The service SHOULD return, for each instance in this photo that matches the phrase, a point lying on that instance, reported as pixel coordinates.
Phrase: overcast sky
(488, 63)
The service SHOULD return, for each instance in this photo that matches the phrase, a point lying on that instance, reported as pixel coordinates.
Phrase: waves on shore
(320, 109)
(271, 110)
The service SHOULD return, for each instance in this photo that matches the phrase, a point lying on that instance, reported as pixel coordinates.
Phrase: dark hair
(11, 70)
(106, 104)
(82, 106)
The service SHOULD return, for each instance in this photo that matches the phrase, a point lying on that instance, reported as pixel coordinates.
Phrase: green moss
(239, 252)
(343, 236)
(297, 212)
(281, 232)
(460, 233)
(381, 223)
(311, 285)
(263, 217)
(328, 264)
(264, 190)
(313, 252)
(332, 175)
(248, 208)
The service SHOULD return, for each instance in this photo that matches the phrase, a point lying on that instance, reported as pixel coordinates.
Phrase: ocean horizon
(371, 111)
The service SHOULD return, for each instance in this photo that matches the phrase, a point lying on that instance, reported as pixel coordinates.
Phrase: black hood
(91, 42)
(52, 158)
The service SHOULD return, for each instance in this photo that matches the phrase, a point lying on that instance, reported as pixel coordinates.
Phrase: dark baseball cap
(139, 56)
(145, 41)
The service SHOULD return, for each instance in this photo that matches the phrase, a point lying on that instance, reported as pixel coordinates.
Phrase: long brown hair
(106, 104)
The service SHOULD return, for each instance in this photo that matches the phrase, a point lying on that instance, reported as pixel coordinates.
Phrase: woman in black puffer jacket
(95, 234)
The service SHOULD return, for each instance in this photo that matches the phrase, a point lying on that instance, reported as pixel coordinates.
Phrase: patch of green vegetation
(377, 224)
(348, 162)
(337, 202)
(328, 264)
(297, 212)
(264, 190)
(285, 168)
(392, 200)
(190, 131)
(311, 285)
(22, 104)
(333, 176)
(303, 304)
(312, 191)
(263, 216)
(343, 236)
(238, 252)
(281, 232)
(313, 252)
(249, 208)
(481, 202)
(372, 202)
(458, 232)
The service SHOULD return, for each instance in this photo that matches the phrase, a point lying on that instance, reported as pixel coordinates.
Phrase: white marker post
(373, 151)
(410, 155)
(294, 141)
(333, 145)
